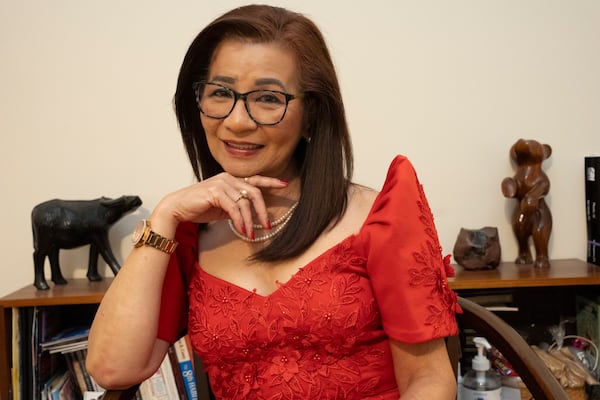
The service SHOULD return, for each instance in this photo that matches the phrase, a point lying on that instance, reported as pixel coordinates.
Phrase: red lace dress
(324, 333)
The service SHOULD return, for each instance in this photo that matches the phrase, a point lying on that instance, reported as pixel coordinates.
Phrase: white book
(161, 385)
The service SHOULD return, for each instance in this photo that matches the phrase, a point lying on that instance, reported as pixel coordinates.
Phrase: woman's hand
(222, 196)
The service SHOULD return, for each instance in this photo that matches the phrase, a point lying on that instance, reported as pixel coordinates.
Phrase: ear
(547, 151)
(112, 202)
(513, 153)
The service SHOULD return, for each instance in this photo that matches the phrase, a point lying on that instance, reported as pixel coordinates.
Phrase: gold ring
(243, 195)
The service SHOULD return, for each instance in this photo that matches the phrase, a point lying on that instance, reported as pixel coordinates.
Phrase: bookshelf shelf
(76, 292)
(566, 272)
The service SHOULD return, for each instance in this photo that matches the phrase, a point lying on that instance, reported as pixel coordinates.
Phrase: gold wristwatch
(144, 235)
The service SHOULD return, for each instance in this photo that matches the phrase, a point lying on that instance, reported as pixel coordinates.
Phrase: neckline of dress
(369, 216)
(280, 284)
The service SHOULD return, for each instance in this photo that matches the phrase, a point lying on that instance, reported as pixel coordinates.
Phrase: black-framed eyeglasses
(265, 107)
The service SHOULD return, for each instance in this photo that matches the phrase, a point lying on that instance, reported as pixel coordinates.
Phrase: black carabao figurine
(66, 224)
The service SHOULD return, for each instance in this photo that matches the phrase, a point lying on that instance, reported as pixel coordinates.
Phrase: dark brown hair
(324, 160)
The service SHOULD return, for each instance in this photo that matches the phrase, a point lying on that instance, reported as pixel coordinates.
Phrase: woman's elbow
(112, 375)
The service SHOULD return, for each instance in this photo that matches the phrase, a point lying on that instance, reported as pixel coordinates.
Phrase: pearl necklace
(285, 217)
(278, 224)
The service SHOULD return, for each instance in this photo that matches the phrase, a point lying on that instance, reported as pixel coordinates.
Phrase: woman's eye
(269, 97)
(220, 93)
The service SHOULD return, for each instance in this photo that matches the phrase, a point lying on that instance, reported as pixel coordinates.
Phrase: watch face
(138, 232)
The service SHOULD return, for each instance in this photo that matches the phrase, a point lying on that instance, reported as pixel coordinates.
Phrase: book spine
(592, 200)
(16, 354)
(76, 373)
(187, 369)
(89, 385)
(27, 354)
(177, 373)
(167, 372)
(161, 385)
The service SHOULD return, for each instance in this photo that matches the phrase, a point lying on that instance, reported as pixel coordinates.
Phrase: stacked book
(592, 200)
(175, 379)
(72, 344)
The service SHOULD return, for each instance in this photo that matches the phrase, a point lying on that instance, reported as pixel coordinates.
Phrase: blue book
(187, 368)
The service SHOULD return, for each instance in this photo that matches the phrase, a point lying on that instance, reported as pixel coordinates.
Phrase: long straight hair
(324, 158)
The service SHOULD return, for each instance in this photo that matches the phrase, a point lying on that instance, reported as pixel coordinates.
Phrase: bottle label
(470, 394)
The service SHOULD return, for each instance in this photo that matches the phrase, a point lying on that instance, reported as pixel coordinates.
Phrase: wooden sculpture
(529, 186)
(66, 224)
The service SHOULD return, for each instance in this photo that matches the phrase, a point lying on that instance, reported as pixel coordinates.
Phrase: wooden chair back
(530, 367)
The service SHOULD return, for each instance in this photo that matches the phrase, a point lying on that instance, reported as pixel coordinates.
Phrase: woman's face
(240, 145)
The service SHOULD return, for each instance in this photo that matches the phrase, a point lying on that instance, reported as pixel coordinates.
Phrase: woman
(291, 281)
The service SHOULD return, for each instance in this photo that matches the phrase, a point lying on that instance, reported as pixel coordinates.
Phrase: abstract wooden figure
(531, 217)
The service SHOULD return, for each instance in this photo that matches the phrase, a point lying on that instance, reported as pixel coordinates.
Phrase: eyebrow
(270, 81)
(258, 82)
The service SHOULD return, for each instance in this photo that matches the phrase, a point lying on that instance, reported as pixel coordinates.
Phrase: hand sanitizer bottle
(481, 383)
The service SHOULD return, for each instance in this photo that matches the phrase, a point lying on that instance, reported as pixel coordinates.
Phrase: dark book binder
(592, 204)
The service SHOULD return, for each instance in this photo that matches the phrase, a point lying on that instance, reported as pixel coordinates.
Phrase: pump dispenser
(481, 383)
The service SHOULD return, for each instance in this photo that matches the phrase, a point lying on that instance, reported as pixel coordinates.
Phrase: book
(16, 354)
(26, 355)
(81, 355)
(76, 373)
(184, 357)
(177, 373)
(68, 339)
(161, 385)
(58, 387)
(92, 395)
(592, 202)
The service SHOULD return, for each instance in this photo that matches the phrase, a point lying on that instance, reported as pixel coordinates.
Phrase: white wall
(86, 87)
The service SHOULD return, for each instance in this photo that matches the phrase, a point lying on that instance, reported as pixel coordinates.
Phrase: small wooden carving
(477, 248)
(529, 186)
(66, 224)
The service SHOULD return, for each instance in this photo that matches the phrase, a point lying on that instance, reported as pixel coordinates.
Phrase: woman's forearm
(123, 348)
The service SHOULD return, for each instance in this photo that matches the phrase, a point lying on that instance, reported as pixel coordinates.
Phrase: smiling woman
(240, 141)
(290, 279)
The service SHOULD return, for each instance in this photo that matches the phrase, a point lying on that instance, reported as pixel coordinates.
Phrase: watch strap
(145, 236)
(159, 242)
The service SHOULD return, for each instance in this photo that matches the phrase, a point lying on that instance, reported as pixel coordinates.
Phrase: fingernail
(268, 224)
(244, 229)
(252, 236)
(284, 182)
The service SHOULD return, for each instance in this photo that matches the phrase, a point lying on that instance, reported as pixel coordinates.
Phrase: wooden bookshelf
(77, 291)
(567, 272)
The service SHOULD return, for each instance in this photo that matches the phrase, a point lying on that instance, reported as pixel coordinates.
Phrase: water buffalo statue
(66, 224)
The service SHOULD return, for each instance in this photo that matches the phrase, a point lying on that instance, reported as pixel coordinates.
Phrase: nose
(239, 119)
